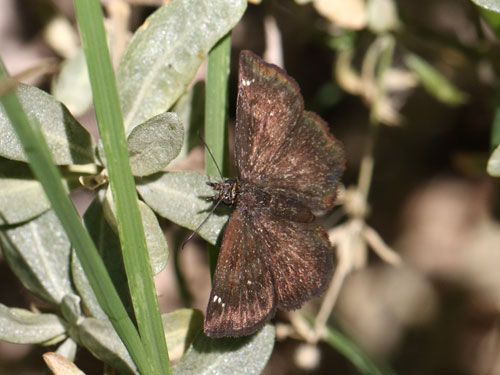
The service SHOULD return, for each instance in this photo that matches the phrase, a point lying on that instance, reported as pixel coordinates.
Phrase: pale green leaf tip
(493, 167)
(493, 5)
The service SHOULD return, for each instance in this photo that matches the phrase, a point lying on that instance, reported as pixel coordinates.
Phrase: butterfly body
(226, 191)
(273, 254)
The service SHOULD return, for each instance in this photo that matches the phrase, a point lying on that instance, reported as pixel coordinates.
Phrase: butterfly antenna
(201, 224)
(211, 155)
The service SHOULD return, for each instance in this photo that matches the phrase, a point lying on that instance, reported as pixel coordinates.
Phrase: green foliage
(164, 54)
(21, 195)
(491, 13)
(355, 355)
(493, 5)
(21, 326)
(434, 82)
(494, 163)
(345, 346)
(38, 252)
(148, 348)
(158, 113)
(68, 141)
(33, 239)
(153, 144)
(188, 205)
(228, 356)
(72, 85)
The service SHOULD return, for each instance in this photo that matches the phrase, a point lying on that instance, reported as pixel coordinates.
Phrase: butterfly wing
(301, 259)
(273, 254)
(278, 143)
(243, 298)
(268, 106)
(296, 249)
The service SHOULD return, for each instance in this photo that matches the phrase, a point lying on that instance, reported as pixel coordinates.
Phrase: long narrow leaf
(352, 352)
(216, 104)
(132, 238)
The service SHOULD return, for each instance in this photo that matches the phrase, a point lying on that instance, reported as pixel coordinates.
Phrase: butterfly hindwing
(301, 259)
(242, 298)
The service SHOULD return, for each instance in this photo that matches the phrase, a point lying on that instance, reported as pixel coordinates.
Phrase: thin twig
(380, 247)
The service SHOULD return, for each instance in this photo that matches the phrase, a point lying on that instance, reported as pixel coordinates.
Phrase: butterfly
(273, 254)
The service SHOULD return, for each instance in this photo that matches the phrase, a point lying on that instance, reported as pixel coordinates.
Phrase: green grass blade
(49, 176)
(354, 354)
(351, 351)
(495, 127)
(132, 238)
(216, 104)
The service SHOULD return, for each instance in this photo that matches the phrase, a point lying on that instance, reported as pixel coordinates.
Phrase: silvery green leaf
(155, 238)
(21, 200)
(100, 338)
(70, 308)
(153, 144)
(104, 236)
(182, 198)
(21, 326)
(191, 111)
(493, 167)
(165, 53)
(21, 195)
(493, 5)
(68, 349)
(72, 85)
(181, 327)
(68, 141)
(82, 285)
(38, 252)
(108, 244)
(228, 356)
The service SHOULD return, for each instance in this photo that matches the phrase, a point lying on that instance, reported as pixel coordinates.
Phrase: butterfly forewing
(268, 107)
(279, 144)
(308, 164)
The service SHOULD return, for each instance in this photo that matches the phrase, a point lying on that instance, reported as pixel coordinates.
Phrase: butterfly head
(225, 191)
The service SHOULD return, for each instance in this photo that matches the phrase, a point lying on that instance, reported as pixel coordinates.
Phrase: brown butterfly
(273, 254)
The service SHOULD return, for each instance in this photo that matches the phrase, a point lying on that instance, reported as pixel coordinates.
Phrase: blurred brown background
(431, 199)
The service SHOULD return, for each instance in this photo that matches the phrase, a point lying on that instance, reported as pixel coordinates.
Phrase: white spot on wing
(215, 298)
(245, 82)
